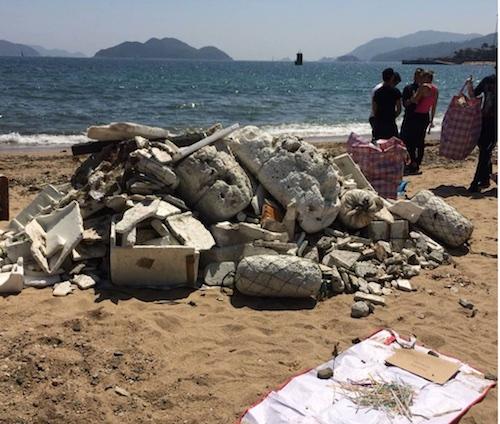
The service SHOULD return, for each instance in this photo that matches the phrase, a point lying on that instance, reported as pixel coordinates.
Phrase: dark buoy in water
(299, 59)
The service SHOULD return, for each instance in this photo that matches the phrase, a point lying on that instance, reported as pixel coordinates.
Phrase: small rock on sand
(62, 289)
(360, 309)
(121, 392)
(325, 373)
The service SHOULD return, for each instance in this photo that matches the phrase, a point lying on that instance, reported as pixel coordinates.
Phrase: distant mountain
(166, 48)
(56, 52)
(12, 49)
(435, 50)
(378, 46)
(327, 59)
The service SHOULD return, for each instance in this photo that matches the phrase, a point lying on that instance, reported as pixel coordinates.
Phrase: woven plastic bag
(381, 163)
(461, 127)
(278, 276)
(358, 208)
(442, 221)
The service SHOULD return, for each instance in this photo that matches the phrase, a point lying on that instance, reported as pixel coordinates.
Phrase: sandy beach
(203, 356)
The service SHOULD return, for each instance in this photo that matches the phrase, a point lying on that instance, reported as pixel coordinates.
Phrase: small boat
(299, 59)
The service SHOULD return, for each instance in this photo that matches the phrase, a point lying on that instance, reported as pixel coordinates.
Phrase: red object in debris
(271, 213)
(4, 198)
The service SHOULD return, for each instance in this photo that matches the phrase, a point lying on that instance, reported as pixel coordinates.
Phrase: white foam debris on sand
(278, 231)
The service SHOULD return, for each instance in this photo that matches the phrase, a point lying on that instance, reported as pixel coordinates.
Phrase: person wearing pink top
(425, 99)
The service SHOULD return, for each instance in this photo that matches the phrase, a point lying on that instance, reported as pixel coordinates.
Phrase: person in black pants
(425, 100)
(489, 129)
(408, 128)
(386, 106)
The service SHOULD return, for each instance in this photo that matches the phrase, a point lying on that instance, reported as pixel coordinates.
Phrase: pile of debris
(267, 216)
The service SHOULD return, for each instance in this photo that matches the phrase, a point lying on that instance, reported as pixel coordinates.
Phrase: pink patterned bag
(461, 127)
(382, 164)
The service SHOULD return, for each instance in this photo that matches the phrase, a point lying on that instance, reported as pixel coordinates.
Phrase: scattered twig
(392, 398)
(335, 353)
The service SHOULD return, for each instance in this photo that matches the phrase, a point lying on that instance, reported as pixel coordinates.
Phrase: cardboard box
(161, 267)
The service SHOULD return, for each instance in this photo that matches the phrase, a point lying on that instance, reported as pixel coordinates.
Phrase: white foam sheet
(306, 399)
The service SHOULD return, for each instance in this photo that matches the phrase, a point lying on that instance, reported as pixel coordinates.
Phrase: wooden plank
(91, 147)
(4, 198)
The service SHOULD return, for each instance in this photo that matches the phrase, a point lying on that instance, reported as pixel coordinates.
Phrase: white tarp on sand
(306, 399)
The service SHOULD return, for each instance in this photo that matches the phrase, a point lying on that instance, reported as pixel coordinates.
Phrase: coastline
(319, 141)
(433, 138)
(35, 149)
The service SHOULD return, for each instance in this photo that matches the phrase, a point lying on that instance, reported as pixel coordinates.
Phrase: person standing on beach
(386, 106)
(425, 100)
(408, 128)
(488, 137)
(371, 119)
(397, 80)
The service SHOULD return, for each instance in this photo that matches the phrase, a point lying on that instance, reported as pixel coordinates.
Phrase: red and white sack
(441, 220)
(461, 128)
(381, 163)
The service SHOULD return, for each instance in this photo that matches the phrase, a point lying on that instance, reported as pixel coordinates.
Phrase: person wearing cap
(487, 89)
(386, 106)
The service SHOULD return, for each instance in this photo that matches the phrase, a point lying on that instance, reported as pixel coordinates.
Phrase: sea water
(46, 101)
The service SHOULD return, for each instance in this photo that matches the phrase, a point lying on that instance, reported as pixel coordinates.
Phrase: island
(165, 48)
(485, 54)
(348, 58)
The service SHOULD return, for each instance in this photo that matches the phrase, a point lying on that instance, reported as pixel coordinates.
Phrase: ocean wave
(16, 139)
(335, 130)
(305, 130)
(317, 130)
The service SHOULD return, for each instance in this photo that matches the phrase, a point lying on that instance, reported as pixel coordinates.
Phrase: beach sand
(204, 357)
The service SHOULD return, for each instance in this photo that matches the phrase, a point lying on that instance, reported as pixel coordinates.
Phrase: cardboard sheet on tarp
(305, 399)
(427, 366)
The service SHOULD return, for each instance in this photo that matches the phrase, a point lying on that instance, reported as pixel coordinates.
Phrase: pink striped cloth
(461, 128)
(382, 163)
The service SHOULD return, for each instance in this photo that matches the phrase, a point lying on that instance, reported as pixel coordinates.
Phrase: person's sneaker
(484, 185)
(411, 169)
(416, 171)
(474, 188)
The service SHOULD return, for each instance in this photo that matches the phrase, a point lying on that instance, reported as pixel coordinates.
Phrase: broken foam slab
(349, 169)
(141, 211)
(45, 200)
(213, 182)
(13, 282)
(54, 236)
(291, 169)
(228, 234)
(124, 131)
(407, 209)
(62, 289)
(190, 231)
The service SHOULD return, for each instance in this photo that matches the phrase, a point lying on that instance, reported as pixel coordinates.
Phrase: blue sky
(245, 29)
